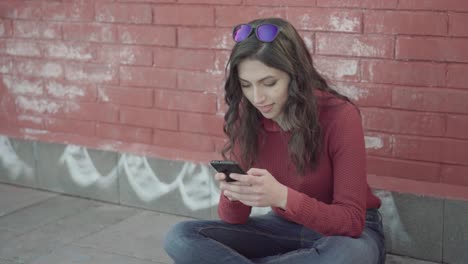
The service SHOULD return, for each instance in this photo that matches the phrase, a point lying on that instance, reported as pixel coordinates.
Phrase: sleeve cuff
(233, 212)
(295, 206)
(293, 203)
(230, 203)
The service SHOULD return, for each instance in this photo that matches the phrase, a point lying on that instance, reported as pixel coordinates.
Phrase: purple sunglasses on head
(265, 32)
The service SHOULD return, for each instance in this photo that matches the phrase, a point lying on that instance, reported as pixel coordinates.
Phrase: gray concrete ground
(39, 227)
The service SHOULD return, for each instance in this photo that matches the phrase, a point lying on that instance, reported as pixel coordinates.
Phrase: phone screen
(227, 167)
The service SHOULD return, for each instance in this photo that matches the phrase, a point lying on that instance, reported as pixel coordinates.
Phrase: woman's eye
(245, 85)
(270, 84)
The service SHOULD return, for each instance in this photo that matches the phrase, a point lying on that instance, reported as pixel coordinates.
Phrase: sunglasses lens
(267, 32)
(241, 32)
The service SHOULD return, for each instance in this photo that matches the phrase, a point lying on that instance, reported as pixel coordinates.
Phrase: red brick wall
(146, 76)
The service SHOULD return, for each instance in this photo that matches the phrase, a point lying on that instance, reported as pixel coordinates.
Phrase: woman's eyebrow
(264, 78)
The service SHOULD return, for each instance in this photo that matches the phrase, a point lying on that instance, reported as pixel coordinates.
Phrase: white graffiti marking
(142, 179)
(197, 192)
(373, 142)
(343, 23)
(196, 188)
(82, 169)
(392, 217)
(10, 160)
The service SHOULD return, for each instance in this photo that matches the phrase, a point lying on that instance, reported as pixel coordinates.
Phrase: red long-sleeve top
(332, 199)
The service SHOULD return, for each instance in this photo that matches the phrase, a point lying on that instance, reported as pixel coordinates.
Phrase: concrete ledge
(38, 227)
(421, 227)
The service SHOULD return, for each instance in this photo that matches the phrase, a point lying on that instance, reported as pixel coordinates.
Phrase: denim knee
(177, 240)
(172, 237)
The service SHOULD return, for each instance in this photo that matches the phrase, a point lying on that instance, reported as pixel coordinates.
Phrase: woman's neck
(282, 123)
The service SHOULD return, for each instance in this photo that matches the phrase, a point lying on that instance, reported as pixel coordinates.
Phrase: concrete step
(39, 227)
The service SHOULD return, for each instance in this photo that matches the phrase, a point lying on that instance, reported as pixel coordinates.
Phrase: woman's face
(266, 88)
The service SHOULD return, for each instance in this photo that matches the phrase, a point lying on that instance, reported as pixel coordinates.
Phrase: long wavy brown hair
(289, 54)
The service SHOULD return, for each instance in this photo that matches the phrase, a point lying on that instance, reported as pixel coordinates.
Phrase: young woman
(303, 145)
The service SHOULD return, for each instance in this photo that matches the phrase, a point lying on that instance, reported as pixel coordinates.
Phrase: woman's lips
(266, 108)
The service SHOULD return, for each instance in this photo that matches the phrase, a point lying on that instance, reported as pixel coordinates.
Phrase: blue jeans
(272, 239)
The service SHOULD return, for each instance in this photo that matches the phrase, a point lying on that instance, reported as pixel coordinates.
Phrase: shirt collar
(270, 125)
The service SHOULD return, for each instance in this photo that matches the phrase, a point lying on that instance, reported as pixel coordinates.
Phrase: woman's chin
(269, 115)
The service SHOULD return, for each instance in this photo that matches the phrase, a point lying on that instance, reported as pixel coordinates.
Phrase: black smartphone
(227, 167)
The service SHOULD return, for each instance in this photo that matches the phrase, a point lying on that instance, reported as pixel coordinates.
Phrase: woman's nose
(258, 96)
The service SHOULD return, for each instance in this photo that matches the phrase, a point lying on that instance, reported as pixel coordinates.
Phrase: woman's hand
(221, 179)
(256, 188)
